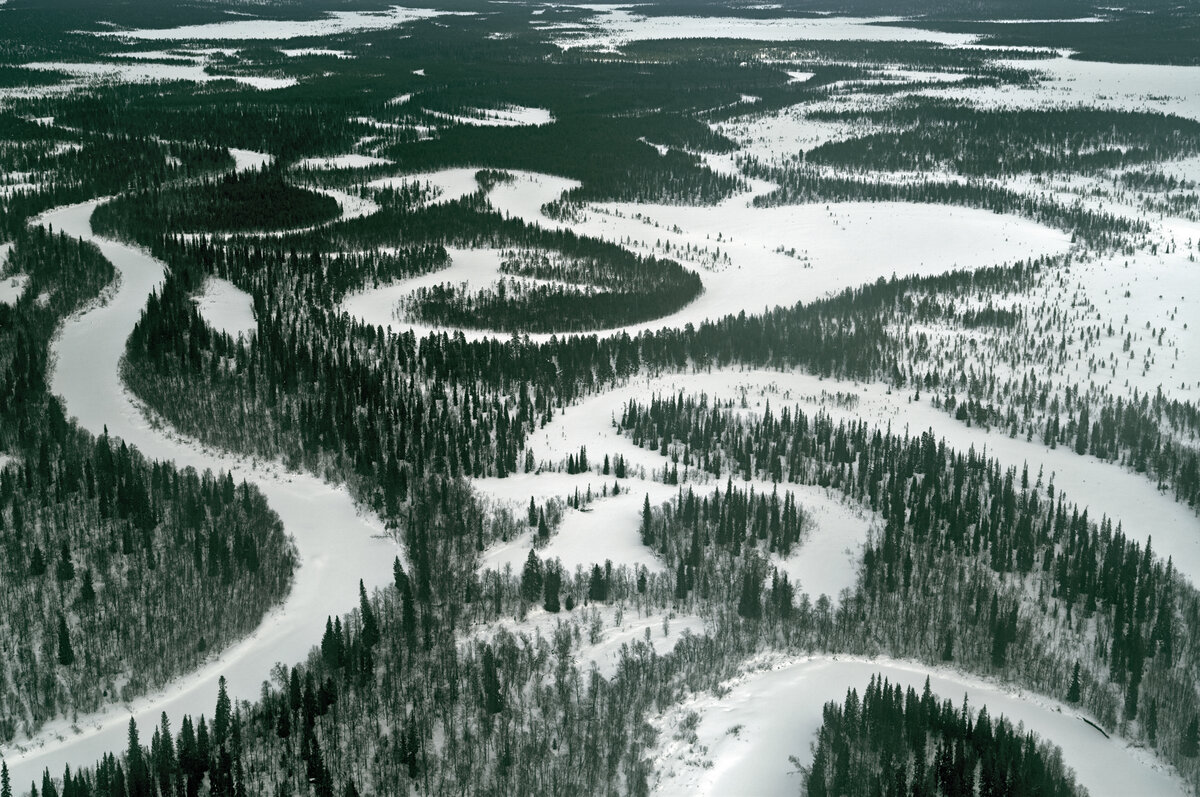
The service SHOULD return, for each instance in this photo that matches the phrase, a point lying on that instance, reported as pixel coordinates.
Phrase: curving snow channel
(752, 258)
(337, 544)
(745, 739)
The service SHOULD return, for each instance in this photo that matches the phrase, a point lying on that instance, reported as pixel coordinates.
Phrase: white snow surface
(145, 72)
(509, 116)
(247, 159)
(448, 184)
(227, 308)
(11, 288)
(744, 739)
(337, 544)
(615, 629)
(614, 26)
(251, 29)
(1097, 84)
(840, 245)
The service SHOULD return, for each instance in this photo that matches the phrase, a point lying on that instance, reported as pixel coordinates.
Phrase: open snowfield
(614, 26)
(1068, 82)
(12, 287)
(227, 308)
(510, 116)
(349, 161)
(337, 544)
(251, 29)
(447, 184)
(744, 739)
(138, 72)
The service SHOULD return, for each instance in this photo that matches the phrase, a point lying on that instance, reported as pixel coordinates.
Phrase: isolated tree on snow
(647, 521)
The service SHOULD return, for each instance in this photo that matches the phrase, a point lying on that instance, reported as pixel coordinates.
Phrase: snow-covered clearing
(351, 205)
(1095, 84)
(337, 544)
(351, 160)
(509, 116)
(743, 740)
(12, 287)
(447, 185)
(301, 52)
(247, 159)
(825, 563)
(140, 72)
(602, 632)
(251, 29)
(614, 26)
(227, 308)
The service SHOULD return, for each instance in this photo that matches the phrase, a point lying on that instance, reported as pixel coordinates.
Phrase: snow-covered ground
(614, 26)
(1069, 82)
(771, 712)
(227, 308)
(447, 184)
(604, 630)
(337, 544)
(145, 72)
(351, 160)
(755, 258)
(510, 116)
(252, 29)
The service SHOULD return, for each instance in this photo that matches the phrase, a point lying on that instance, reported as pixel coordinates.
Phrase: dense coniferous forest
(934, 136)
(894, 742)
(240, 201)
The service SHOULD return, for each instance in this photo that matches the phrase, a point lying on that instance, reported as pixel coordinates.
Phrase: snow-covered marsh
(772, 712)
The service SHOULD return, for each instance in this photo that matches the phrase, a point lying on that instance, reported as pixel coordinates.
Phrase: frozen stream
(744, 740)
(337, 544)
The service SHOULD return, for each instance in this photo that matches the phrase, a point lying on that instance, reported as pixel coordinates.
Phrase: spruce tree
(551, 585)
(493, 701)
(66, 656)
(370, 627)
(1191, 739)
(1073, 695)
(531, 578)
(647, 522)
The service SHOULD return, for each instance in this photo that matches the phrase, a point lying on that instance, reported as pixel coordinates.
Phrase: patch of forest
(257, 199)
(941, 136)
(894, 742)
